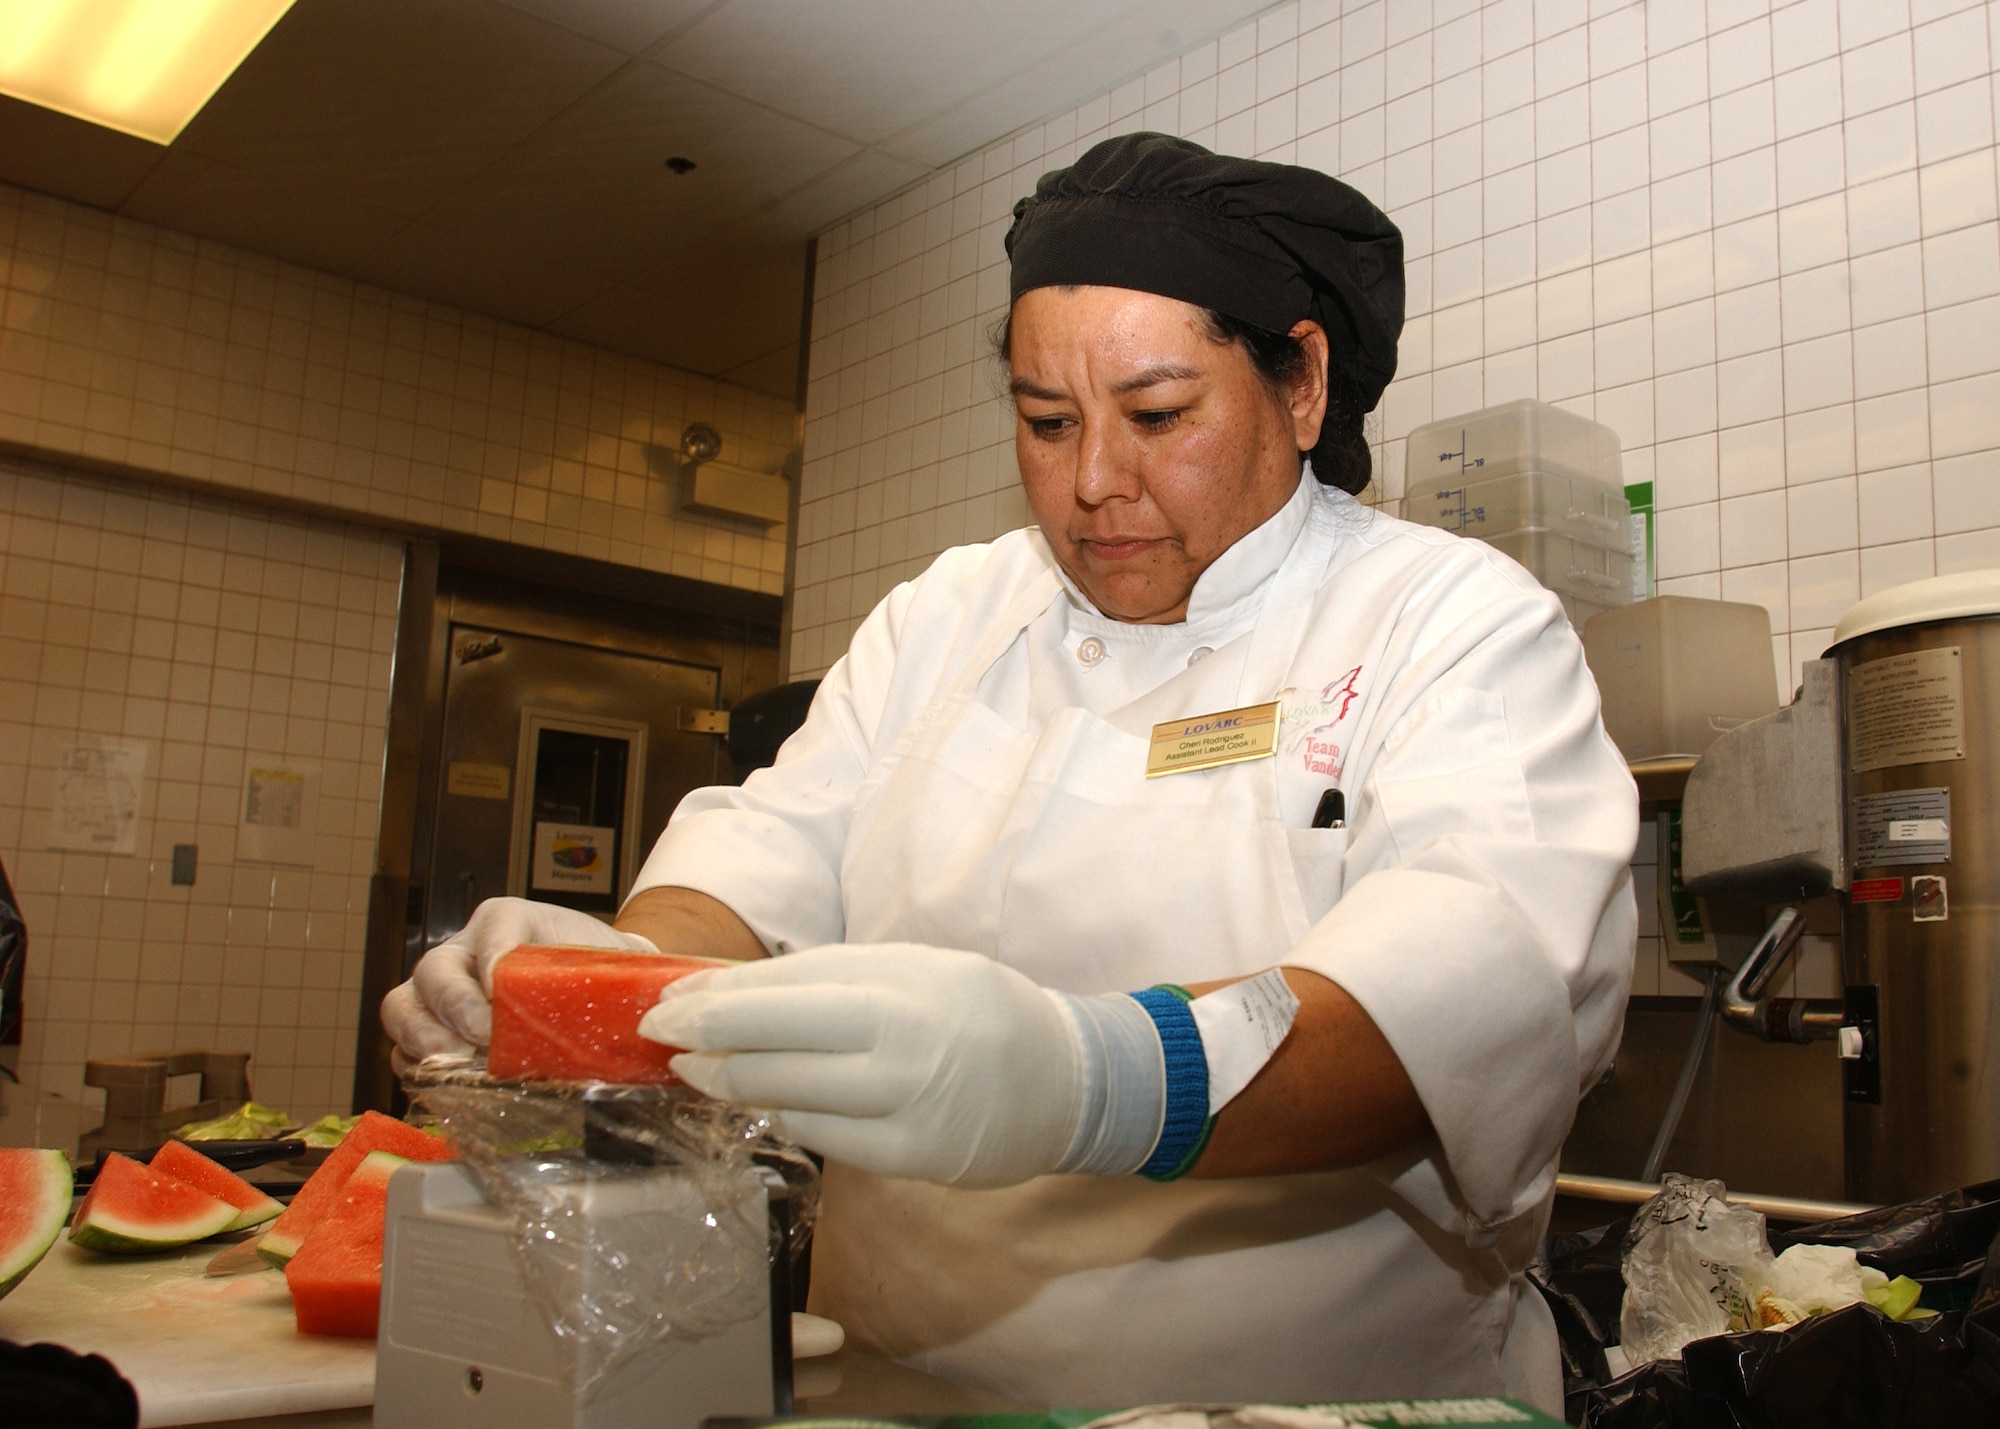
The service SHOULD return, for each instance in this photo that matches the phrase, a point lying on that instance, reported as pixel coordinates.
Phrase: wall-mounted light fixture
(722, 490)
(145, 67)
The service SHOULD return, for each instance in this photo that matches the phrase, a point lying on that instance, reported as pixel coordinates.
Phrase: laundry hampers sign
(573, 858)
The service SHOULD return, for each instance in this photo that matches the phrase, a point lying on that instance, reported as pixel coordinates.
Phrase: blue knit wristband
(1184, 1132)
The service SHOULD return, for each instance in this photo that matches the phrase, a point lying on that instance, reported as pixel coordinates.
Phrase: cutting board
(196, 1349)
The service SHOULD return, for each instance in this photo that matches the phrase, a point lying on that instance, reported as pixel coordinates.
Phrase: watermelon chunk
(572, 1014)
(34, 1203)
(133, 1207)
(374, 1132)
(336, 1277)
(184, 1163)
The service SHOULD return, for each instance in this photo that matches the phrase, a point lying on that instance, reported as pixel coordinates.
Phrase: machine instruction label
(1902, 826)
(1906, 709)
(1876, 890)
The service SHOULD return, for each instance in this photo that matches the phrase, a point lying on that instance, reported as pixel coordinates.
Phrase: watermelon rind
(37, 1183)
(100, 1224)
(336, 1277)
(374, 1132)
(184, 1163)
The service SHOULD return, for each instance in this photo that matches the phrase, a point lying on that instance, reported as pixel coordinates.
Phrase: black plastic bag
(1579, 1278)
(1852, 1369)
(1941, 1241)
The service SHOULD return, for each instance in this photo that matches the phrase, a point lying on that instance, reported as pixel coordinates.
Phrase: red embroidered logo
(1343, 690)
(1312, 717)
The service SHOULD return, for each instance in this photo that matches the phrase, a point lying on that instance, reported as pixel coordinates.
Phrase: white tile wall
(213, 625)
(1758, 239)
(207, 630)
(162, 354)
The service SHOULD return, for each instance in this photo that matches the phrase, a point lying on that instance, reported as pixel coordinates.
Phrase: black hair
(1340, 457)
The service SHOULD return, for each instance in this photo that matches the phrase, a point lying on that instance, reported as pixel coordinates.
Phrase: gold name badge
(1206, 741)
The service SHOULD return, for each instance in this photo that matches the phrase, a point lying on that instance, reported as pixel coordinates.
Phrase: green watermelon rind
(107, 1230)
(25, 1255)
(276, 1255)
(258, 1215)
(96, 1235)
(247, 1217)
(279, 1244)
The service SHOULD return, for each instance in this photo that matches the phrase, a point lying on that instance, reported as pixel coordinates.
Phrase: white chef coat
(1478, 907)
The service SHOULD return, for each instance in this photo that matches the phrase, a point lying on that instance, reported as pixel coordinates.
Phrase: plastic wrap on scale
(639, 1212)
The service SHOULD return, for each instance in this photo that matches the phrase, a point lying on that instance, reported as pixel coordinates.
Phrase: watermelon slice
(374, 1132)
(184, 1163)
(572, 1014)
(133, 1207)
(34, 1203)
(336, 1278)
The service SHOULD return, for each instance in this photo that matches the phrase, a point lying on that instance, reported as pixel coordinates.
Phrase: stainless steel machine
(1878, 784)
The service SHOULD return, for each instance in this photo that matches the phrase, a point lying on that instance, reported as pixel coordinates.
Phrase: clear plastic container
(1568, 566)
(1515, 436)
(1674, 672)
(1593, 512)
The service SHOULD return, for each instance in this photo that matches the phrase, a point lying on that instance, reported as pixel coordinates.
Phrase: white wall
(191, 615)
(208, 632)
(1757, 239)
(163, 355)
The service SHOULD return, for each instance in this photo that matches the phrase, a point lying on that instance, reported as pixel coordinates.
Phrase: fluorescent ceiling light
(142, 66)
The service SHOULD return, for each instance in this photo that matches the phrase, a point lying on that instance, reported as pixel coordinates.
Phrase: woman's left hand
(895, 1058)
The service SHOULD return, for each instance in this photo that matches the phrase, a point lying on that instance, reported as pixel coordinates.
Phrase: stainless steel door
(546, 743)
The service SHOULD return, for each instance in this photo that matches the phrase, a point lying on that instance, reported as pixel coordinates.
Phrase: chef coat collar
(1230, 591)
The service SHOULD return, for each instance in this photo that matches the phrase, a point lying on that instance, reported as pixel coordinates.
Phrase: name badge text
(1205, 741)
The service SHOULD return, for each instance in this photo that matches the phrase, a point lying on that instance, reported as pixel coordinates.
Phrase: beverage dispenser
(1878, 784)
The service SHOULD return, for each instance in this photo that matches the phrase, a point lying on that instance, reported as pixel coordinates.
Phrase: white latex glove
(446, 1005)
(922, 1062)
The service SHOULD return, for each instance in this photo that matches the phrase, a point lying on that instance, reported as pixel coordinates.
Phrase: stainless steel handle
(1778, 1019)
(1619, 1192)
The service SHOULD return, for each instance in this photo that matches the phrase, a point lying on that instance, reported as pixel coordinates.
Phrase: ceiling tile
(633, 26)
(776, 372)
(719, 308)
(591, 191)
(41, 149)
(1106, 45)
(267, 210)
(379, 103)
(507, 155)
(870, 68)
(862, 180)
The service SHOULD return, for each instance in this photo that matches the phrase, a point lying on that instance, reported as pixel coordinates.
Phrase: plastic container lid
(1510, 437)
(1566, 565)
(1579, 506)
(1969, 593)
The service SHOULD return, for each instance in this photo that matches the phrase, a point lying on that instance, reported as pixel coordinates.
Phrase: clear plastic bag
(1693, 1267)
(639, 1211)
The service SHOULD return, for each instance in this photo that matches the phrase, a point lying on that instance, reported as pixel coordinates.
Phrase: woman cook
(1140, 1073)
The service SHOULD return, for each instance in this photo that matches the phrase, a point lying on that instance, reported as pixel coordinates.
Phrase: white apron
(1048, 849)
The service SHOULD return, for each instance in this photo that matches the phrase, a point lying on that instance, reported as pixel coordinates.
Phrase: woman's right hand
(446, 1005)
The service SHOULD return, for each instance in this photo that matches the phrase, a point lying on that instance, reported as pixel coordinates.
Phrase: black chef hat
(1266, 244)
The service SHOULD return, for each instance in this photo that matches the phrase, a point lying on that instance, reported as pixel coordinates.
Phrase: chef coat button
(1090, 651)
(1201, 652)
